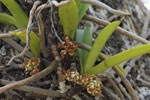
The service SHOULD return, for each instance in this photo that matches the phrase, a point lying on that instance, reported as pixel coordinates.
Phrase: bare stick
(17, 46)
(115, 87)
(110, 93)
(38, 11)
(11, 42)
(27, 33)
(145, 26)
(147, 84)
(49, 4)
(122, 88)
(119, 29)
(6, 35)
(142, 72)
(135, 86)
(31, 79)
(126, 83)
(62, 3)
(104, 6)
(35, 90)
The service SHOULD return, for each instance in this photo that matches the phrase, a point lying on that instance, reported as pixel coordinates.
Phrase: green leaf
(79, 38)
(87, 39)
(82, 10)
(121, 69)
(99, 43)
(34, 41)
(20, 17)
(119, 58)
(7, 19)
(84, 36)
(78, 2)
(69, 18)
(118, 66)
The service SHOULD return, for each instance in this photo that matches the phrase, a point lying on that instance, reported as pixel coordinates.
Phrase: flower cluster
(68, 46)
(92, 84)
(31, 65)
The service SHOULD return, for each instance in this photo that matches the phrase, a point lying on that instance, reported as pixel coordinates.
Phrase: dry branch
(119, 29)
(6, 35)
(126, 83)
(31, 79)
(35, 90)
(123, 90)
(145, 26)
(62, 3)
(18, 47)
(104, 6)
(115, 87)
(27, 33)
(110, 93)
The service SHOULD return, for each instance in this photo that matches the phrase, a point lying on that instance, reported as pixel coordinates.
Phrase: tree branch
(31, 79)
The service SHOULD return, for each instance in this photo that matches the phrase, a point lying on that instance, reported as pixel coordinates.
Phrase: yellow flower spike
(31, 65)
(90, 82)
(68, 46)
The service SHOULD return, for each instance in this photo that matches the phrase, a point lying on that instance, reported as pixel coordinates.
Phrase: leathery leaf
(69, 18)
(20, 17)
(99, 43)
(119, 58)
(34, 41)
(84, 36)
(118, 65)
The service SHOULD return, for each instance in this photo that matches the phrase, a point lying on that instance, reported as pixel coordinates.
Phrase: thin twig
(6, 35)
(110, 93)
(135, 86)
(42, 7)
(115, 87)
(47, 5)
(145, 26)
(31, 79)
(126, 83)
(53, 27)
(62, 3)
(142, 72)
(2, 66)
(104, 6)
(11, 42)
(35, 90)
(147, 84)
(122, 88)
(117, 71)
(27, 33)
(18, 47)
(119, 29)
